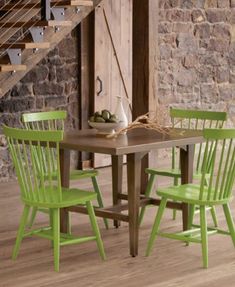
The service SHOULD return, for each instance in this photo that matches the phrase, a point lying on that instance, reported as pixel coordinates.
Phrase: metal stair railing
(45, 15)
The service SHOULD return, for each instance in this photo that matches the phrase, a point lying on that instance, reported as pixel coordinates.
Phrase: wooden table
(135, 145)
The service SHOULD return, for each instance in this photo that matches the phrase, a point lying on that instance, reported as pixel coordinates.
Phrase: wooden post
(86, 79)
(186, 166)
(144, 98)
(140, 97)
(46, 9)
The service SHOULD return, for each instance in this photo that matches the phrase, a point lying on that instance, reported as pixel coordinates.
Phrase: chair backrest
(198, 120)
(35, 185)
(220, 154)
(52, 120)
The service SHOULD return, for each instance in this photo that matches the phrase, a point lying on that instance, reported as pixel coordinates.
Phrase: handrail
(8, 20)
(25, 33)
(8, 10)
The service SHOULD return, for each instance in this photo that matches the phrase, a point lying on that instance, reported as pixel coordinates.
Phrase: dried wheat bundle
(156, 123)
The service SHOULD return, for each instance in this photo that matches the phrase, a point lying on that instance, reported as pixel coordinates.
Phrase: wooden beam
(144, 64)
(86, 78)
(140, 97)
(100, 212)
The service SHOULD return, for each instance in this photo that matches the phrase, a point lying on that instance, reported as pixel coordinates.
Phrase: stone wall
(52, 84)
(197, 54)
(196, 67)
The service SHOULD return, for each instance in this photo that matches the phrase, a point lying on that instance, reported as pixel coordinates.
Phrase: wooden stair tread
(11, 68)
(50, 23)
(25, 45)
(65, 3)
(62, 3)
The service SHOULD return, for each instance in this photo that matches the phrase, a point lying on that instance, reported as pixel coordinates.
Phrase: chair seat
(70, 197)
(188, 193)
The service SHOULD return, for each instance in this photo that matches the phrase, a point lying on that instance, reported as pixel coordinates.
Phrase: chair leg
(156, 226)
(190, 218)
(33, 216)
(51, 223)
(204, 236)
(191, 215)
(99, 198)
(20, 234)
(214, 217)
(230, 223)
(147, 194)
(174, 210)
(56, 238)
(95, 228)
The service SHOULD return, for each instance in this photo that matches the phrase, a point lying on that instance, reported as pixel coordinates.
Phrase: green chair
(187, 119)
(54, 120)
(40, 191)
(220, 155)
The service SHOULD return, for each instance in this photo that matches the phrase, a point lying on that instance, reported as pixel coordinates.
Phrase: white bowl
(104, 128)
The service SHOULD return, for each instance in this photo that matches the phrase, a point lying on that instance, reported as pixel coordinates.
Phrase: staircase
(29, 29)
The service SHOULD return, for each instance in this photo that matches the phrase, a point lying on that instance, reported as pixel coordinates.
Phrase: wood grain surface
(171, 263)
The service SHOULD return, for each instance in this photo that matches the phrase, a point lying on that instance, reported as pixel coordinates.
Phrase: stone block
(209, 93)
(47, 88)
(169, 39)
(232, 19)
(219, 45)
(164, 28)
(166, 4)
(211, 3)
(190, 61)
(231, 55)
(165, 51)
(55, 101)
(66, 72)
(221, 30)
(206, 74)
(38, 74)
(22, 90)
(222, 74)
(17, 105)
(9, 119)
(183, 28)
(187, 42)
(202, 30)
(227, 92)
(198, 16)
(186, 77)
(223, 3)
(178, 15)
(217, 15)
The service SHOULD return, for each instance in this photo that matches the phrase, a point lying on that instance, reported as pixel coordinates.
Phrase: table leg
(65, 171)
(186, 165)
(144, 175)
(133, 179)
(117, 171)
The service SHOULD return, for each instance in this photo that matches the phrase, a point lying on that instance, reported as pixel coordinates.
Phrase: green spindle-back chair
(54, 120)
(219, 154)
(44, 190)
(187, 119)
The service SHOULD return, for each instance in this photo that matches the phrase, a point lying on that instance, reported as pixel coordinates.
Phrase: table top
(137, 140)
